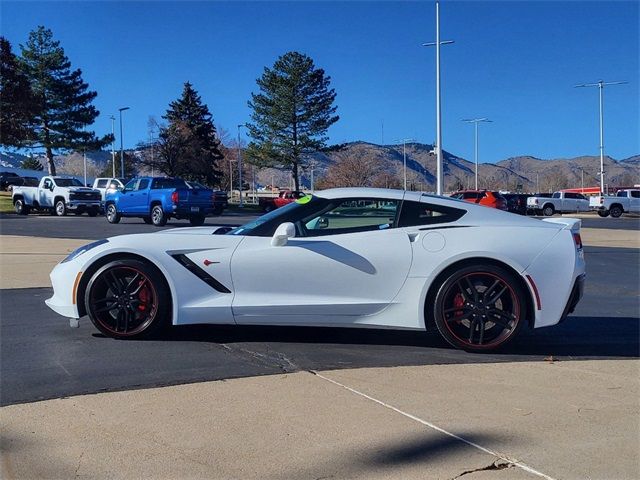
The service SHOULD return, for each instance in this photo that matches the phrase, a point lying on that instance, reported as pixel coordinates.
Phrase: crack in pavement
(270, 359)
(498, 464)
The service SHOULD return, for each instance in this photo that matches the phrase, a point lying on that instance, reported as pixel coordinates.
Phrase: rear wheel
(603, 213)
(197, 220)
(112, 214)
(21, 208)
(128, 299)
(61, 208)
(616, 211)
(158, 217)
(548, 210)
(480, 308)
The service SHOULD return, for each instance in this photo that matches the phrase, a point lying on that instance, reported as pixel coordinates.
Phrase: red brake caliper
(143, 295)
(458, 301)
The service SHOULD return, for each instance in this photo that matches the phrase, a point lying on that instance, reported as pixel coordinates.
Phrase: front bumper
(83, 204)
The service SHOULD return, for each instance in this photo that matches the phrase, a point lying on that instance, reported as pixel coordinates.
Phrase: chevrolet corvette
(353, 257)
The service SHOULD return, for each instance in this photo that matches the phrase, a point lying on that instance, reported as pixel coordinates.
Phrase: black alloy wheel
(480, 308)
(548, 211)
(112, 214)
(615, 211)
(158, 217)
(128, 299)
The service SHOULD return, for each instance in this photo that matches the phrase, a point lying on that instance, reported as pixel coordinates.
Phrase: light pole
(240, 167)
(113, 141)
(601, 84)
(437, 43)
(404, 158)
(313, 166)
(475, 121)
(84, 156)
(122, 143)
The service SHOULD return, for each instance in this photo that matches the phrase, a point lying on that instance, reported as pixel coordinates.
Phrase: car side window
(101, 183)
(635, 194)
(418, 213)
(580, 196)
(351, 216)
(470, 195)
(556, 195)
(131, 184)
(47, 183)
(143, 184)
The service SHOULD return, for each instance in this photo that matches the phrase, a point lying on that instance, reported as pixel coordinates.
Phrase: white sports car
(352, 257)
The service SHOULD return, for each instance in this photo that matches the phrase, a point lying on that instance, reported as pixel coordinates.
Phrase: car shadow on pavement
(576, 337)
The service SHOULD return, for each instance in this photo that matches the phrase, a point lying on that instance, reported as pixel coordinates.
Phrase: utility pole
(122, 174)
(437, 44)
(240, 167)
(404, 158)
(475, 121)
(601, 84)
(113, 141)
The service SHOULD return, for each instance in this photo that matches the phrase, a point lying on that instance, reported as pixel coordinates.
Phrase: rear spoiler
(572, 224)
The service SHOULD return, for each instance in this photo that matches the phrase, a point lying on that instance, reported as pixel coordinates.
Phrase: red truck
(283, 198)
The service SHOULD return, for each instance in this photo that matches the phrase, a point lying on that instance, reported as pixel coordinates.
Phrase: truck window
(556, 195)
(47, 183)
(143, 184)
(101, 183)
(635, 193)
(68, 182)
(131, 184)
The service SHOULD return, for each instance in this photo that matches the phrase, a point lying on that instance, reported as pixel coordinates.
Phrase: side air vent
(200, 273)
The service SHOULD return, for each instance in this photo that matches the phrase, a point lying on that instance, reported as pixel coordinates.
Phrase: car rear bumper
(188, 210)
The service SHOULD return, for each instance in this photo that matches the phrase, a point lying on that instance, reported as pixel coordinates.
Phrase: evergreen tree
(291, 114)
(17, 102)
(191, 147)
(31, 163)
(64, 101)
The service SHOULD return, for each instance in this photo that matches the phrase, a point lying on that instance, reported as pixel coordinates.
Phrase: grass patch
(6, 205)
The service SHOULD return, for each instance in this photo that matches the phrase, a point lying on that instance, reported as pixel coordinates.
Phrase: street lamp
(475, 121)
(240, 167)
(84, 156)
(121, 143)
(601, 84)
(113, 141)
(404, 158)
(437, 43)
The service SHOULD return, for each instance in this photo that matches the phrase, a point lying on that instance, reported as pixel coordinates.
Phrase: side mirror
(283, 233)
(323, 222)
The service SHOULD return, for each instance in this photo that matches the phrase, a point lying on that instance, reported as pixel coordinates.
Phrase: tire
(603, 213)
(92, 212)
(112, 214)
(548, 210)
(60, 208)
(197, 220)
(480, 308)
(147, 220)
(128, 299)
(616, 211)
(21, 208)
(158, 217)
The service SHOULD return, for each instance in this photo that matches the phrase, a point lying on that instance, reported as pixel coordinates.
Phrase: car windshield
(289, 213)
(68, 182)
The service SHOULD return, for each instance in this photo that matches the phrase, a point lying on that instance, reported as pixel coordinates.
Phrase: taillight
(577, 240)
(175, 197)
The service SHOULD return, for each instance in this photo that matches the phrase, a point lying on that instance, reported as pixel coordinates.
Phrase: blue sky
(514, 62)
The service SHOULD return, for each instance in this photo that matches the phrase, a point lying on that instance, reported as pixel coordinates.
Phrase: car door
(140, 200)
(634, 201)
(350, 262)
(45, 195)
(582, 203)
(127, 200)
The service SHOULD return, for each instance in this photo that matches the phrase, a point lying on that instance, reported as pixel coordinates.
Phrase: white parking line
(512, 461)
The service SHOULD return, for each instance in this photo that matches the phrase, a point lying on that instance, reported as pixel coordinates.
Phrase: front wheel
(548, 211)
(61, 208)
(112, 214)
(615, 211)
(480, 308)
(603, 213)
(128, 299)
(21, 208)
(158, 217)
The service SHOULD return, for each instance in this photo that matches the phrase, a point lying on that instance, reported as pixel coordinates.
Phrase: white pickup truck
(108, 184)
(59, 195)
(625, 201)
(560, 202)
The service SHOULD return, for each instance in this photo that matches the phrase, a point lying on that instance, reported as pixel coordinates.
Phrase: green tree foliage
(31, 163)
(291, 114)
(187, 146)
(17, 102)
(64, 101)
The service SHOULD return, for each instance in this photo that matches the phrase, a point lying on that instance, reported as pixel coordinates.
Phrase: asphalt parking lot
(42, 358)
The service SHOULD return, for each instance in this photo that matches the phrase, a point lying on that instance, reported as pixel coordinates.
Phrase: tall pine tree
(188, 145)
(17, 102)
(64, 101)
(291, 114)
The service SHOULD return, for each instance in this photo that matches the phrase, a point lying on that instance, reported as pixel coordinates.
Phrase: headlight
(85, 248)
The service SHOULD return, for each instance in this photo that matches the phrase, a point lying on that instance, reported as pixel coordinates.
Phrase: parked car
(59, 195)
(157, 199)
(9, 179)
(398, 259)
(285, 197)
(625, 201)
(487, 198)
(516, 202)
(560, 202)
(105, 184)
(220, 197)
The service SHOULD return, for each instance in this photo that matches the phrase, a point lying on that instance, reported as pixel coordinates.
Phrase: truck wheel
(197, 220)
(548, 210)
(21, 208)
(603, 213)
(92, 212)
(112, 214)
(615, 211)
(61, 208)
(158, 217)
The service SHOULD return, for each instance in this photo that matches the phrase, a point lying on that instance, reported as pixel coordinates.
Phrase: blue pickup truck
(157, 199)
